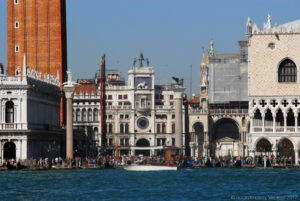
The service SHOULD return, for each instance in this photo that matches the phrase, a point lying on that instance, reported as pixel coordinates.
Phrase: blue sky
(171, 33)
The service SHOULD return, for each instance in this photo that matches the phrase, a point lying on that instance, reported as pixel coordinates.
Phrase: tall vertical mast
(102, 100)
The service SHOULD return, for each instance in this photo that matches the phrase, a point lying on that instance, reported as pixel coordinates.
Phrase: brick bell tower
(38, 28)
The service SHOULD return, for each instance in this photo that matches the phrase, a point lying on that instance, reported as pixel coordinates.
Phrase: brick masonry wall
(39, 35)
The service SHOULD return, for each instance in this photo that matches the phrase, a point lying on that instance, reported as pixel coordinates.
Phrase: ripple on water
(196, 184)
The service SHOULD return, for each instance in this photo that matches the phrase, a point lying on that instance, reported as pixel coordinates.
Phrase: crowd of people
(111, 161)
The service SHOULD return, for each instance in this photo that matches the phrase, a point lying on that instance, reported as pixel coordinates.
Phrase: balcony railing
(118, 107)
(270, 129)
(13, 126)
(257, 129)
(279, 129)
(164, 107)
(197, 111)
(290, 129)
(228, 111)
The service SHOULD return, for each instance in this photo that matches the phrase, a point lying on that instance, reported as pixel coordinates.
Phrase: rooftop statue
(134, 62)
(69, 74)
(177, 81)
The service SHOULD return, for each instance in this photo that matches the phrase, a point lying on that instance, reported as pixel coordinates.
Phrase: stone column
(274, 123)
(18, 150)
(296, 123)
(251, 124)
(263, 122)
(252, 154)
(284, 117)
(178, 118)
(69, 89)
(274, 152)
(296, 156)
(192, 150)
(24, 149)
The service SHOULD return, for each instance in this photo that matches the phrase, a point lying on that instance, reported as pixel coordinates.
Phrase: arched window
(84, 115)
(73, 114)
(110, 128)
(163, 128)
(90, 115)
(9, 112)
(287, 71)
(78, 115)
(173, 128)
(158, 128)
(95, 114)
(121, 128)
(95, 133)
(126, 128)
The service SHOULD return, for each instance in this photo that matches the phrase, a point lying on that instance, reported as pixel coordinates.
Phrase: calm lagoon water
(185, 184)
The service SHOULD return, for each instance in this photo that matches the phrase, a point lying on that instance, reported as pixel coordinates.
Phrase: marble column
(18, 150)
(296, 157)
(69, 89)
(263, 122)
(178, 120)
(24, 149)
(296, 123)
(274, 122)
(285, 119)
(251, 124)
(274, 152)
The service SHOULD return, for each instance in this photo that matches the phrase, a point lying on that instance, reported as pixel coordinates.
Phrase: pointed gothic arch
(287, 71)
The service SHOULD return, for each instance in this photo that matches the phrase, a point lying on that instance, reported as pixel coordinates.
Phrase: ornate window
(90, 115)
(163, 128)
(121, 128)
(9, 112)
(95, 114)
(78, 115)
(287, 71)
(95, 133)
(173, 128)
(158, 128)
(126, 128)
(110, 128)
(84, 115)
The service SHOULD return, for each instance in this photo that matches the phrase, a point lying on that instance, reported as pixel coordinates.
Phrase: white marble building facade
(29, 115)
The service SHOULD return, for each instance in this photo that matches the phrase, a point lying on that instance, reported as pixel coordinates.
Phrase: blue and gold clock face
(142, 82)
(143, 123)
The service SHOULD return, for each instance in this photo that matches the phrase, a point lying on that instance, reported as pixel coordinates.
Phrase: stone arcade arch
(226, 127)
(143, 143)
(198, 138)
(285, 148)
(264, 147)
(226, 137)
(9, 150)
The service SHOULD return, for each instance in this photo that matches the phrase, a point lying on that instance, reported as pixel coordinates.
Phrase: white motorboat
(149, 167)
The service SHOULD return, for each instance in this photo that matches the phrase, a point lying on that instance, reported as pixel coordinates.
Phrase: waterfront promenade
(109, 162)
